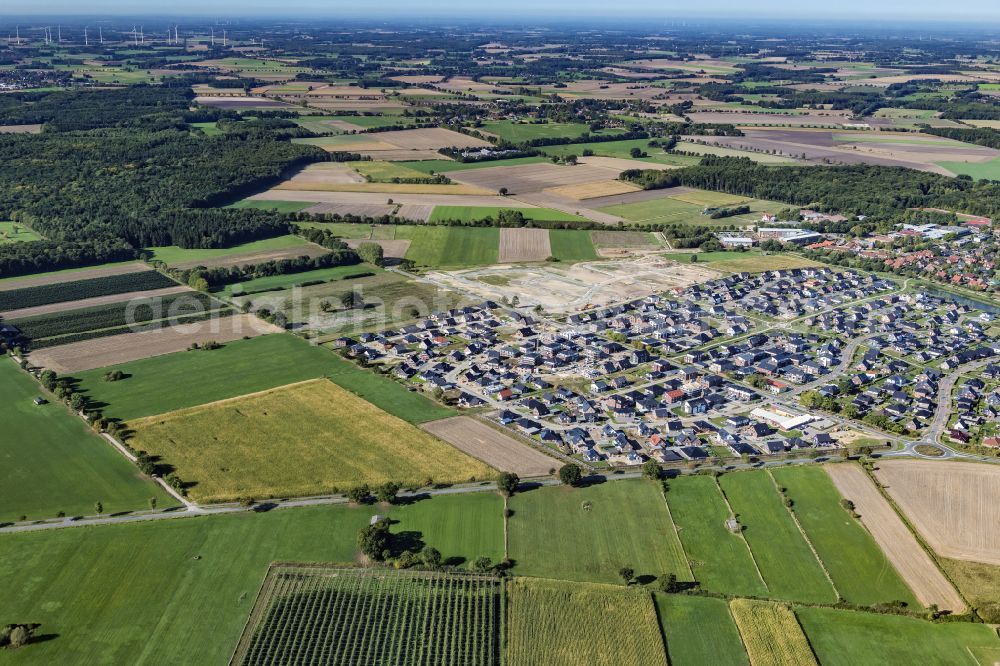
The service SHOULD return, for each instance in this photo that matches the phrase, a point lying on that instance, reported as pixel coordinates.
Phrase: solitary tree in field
(694, 258)
(373, 540)
(570, 474)
(627, 574)
(507, 483)
(98, 508)
(152, 503)
(482, 564)
(503, 191)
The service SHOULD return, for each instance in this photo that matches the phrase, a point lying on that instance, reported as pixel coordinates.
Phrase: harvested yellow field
(762, 263)
(895, 539)
(952, 505)
(326, 173)
(302, 439)
(771, 634)
(387, 188)
(518, 245)
(556, 623)
(493, 447)
(601, 188)
(700, 198)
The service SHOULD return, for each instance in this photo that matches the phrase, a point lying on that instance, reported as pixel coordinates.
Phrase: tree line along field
(304, 439)
(74, 290)
(477, 213)
(51, 461)
(321, 615)
(100, 584)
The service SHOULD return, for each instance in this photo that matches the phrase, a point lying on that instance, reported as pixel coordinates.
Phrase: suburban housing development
(412, 338)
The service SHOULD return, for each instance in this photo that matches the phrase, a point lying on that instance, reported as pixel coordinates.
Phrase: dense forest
(84, 109)
(981, 136)
(861, 189)
(105, 190)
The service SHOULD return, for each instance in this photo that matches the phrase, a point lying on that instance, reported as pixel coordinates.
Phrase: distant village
(962, 254)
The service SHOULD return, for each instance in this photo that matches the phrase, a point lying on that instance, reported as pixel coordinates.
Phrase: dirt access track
(953, 505)
(895, 539)
(493, 447)
(95, 301)
(115, 349)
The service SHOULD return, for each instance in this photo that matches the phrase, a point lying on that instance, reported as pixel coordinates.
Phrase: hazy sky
(915, 10)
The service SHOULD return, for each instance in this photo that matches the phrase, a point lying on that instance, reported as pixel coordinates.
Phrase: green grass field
(439, 166)
(169, 592)
(51, 462)
(451, 246)
(721, 560)
(208, 129)
(385, 393)
(384, 172)
(572, 245)
(278, 206)
(177, 255)
(475, 213)
(858, 567)
(518, 132)
(699, 630)
(622, 149)
(851, 638)
(988, 170)
(749, 262)
(687, 208)
(461, 527)
(299, 440)
(553, 534)
(185, 379)
(789, 567)
(22, 233)
(287, 281)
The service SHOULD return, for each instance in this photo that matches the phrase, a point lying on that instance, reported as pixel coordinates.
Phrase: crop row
(30, 297)
(559, 623)
(121, 330)
(115, 315)
(375, 616)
